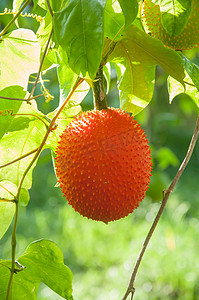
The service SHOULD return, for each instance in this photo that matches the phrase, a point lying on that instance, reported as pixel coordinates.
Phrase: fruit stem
(98, 90)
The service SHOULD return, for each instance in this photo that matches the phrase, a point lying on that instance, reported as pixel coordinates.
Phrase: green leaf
(145, 49)
(43, 262)
(7, 105)
(136, 87)
(58, 5)
(55, 5)
(139, 54)
(67, 79)
(24, 135)
(113, 22)
(175, 88)
(191, 80)
(83, 39)
(41, 3)
(7, 209)
(174, 15)
(24, 197)
(35, 3)
(130, 10)
(66, 76)
(192, 70)
(166, 157)
(19, 57)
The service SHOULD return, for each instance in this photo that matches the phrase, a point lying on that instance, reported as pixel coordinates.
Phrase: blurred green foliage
(101, 256)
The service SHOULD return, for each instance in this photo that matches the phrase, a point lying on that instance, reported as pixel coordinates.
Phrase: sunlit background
(101, 256)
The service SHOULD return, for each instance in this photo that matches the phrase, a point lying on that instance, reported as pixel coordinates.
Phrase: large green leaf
(7, 105)
(79, 30)
(24, 135)
(19, 57)
(130, 10)
(174, 15)
(43, 262)
(139, 54)
(147, 50)
(113, 22)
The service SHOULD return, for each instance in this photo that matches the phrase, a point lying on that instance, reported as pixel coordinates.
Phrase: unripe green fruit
(103, 164)
(187, 39)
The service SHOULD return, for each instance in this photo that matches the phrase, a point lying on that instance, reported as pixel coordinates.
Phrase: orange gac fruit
(103, 164)
(187, 39)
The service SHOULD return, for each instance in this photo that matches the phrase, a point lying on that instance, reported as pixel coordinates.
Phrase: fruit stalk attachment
(98, 90)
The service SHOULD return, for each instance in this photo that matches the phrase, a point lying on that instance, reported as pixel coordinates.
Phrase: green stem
(14, 18)
(8, 200)
(98, 90)
(12, 271)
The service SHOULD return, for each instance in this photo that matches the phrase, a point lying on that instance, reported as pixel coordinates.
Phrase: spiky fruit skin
(189, 37)
(103, 164)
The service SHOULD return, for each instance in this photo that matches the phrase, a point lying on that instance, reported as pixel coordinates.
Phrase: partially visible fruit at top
(151, 20)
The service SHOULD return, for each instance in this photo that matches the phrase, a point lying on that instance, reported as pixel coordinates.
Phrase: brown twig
(49, 7)
(19, 99)
(131, 289)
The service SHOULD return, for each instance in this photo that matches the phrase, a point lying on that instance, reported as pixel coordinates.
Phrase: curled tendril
(6, 112)
(29, 15)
